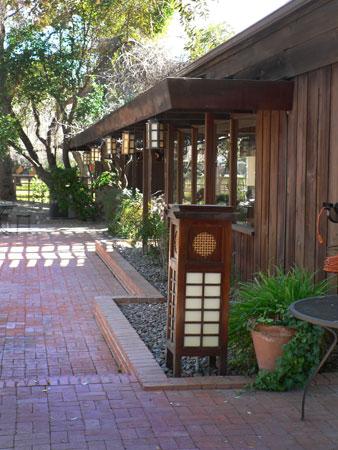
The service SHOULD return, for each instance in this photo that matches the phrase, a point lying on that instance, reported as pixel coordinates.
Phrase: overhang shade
(191, 95)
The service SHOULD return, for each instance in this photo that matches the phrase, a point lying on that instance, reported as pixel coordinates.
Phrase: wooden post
(169, 164)
(194, 136)
(179, 171)
(123, 171)
(233, 162)
(146, 180)
(210, 160)
(133, 172)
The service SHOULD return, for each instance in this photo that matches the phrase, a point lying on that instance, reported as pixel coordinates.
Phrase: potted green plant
(261, 312)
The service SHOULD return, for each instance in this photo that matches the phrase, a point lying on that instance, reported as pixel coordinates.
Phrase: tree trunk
(7, 189)
(82, 167)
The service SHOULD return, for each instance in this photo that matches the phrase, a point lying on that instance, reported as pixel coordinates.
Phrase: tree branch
(38, 125)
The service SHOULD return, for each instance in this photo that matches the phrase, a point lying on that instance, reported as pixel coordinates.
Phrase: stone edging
(133, 356)
(137, 287)
(130, 352)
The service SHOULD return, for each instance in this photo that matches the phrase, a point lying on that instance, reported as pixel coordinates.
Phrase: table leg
(327, 354)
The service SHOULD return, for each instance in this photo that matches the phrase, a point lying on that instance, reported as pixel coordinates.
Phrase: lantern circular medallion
(204, 244)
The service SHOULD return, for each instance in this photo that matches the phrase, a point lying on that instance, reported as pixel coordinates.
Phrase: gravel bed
(149, 319)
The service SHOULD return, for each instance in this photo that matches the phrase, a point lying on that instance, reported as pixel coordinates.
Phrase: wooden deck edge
(138, 288)
(133, 357)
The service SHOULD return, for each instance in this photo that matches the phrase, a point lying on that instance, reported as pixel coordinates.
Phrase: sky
(239, 14)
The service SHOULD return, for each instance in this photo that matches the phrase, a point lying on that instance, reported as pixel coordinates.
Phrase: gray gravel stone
(149, 319)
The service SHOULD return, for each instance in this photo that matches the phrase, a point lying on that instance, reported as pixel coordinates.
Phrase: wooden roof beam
(189, 95)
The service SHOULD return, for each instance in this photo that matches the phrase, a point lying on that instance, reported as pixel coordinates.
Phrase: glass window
(246, 168)
(222, 170)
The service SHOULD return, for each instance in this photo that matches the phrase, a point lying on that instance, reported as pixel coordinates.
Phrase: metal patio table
(321, 311)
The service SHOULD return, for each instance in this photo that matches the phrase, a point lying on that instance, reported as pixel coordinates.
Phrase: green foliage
(108, 194)
(60, 57)
(107, 178)
(69, 191)
(92, 106)
(155, 234)
(300, 358)
(39, 190)
(8, 132)
(188, 10)
(129, 224)
(38, 68)
(206, 39)
(55, 60)
(266, 300)
(128, 219)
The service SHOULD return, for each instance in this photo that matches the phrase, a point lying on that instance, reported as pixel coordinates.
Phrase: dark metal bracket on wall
(329, 207)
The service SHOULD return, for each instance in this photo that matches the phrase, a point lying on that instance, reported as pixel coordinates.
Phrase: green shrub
(128, 219)
(39, 190)
(267, 300)
(155, 234)
(108, 195)
(70, 192)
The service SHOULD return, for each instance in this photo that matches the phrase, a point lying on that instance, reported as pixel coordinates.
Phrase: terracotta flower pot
(268, 342)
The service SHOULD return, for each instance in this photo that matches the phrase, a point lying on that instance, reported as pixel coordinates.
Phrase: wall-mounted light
(128, 143)
(95, 154)
(111, 147)
(154, 134)
(86, 158)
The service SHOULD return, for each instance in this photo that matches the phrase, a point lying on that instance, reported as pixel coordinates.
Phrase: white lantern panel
(211, 316)
(193, 303)
(193, 291)
(193, 316)
(210, 341)
(212, 291)
(212, 303)
(192, 328)
(211, 328)
(86, 158)
(192, 341)
(212, 278)
(194, 278)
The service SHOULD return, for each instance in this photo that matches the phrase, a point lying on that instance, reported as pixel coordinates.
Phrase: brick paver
(60, 388)
(47, 285)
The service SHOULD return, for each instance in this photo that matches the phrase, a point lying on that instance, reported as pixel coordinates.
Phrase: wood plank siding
(242, 256)
(297, 162)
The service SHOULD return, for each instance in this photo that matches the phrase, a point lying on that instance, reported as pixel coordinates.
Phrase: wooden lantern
(95, 154)
(198, 283)
(111, 146)
(154, 134)
(128, 143)
(87, 159)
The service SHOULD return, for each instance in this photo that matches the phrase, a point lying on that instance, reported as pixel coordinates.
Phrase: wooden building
(276, 85)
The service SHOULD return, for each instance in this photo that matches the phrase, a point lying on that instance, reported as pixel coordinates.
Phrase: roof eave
(190, 95)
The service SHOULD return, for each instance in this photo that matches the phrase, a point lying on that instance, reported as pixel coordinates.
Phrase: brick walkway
(60, 387)
(47, 286)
